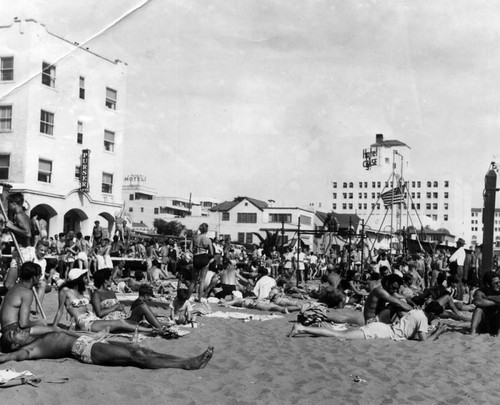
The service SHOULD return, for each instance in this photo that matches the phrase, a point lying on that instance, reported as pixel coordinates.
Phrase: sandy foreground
(256, 363)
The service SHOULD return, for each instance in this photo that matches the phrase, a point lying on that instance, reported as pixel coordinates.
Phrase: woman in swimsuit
(203, 253)
(71, 297)
(107, 307)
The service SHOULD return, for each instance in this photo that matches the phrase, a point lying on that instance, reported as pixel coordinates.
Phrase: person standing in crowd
(456, 263)
(97, 234)
(203, 252)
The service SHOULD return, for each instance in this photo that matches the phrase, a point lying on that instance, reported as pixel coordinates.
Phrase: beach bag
(312, 313)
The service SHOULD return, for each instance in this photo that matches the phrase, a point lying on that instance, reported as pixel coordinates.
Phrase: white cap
(75, 273)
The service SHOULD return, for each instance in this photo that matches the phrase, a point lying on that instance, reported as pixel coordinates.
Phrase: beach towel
(312, 313)
(242, 315)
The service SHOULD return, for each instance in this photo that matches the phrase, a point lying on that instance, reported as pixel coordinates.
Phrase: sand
(256, 363)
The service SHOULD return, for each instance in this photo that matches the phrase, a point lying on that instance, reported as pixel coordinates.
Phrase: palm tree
(270, 241)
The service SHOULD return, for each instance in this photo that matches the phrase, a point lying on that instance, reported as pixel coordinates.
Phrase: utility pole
(490, 184)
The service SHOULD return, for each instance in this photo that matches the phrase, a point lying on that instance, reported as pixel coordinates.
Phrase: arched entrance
(108, 230)
(44, 213)
(73, 220)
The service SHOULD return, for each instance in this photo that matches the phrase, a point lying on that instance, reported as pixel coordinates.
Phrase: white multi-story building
(476, 228)
(439, 201)
(62, 113)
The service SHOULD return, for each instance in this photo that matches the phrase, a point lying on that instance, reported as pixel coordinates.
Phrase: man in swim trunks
(95, 350)
(486, 316)
(413, 325)
(17, 328)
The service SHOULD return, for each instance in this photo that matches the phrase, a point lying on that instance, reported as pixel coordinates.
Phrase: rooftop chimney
(379, 138)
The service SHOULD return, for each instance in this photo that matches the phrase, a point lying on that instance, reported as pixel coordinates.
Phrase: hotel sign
(84, 171)
(369, 158)
(135, 178)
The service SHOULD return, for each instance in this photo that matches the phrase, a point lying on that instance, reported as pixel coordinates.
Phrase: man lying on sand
(95, 350)
(251, 303)
(413, 325)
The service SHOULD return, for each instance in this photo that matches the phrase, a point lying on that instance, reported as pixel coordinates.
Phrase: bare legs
(326, 332)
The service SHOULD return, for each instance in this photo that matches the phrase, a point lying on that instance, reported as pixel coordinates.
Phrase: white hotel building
(62, 113)
(437, 201)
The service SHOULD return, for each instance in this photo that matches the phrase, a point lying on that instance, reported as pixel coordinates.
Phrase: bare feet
(200, 361)
(297, 328)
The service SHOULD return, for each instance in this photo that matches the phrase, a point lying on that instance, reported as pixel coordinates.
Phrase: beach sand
(256, 363)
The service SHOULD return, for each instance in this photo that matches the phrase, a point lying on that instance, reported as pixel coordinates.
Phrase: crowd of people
(380, 294)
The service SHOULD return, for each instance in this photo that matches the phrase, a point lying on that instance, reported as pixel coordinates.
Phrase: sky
(273, 99)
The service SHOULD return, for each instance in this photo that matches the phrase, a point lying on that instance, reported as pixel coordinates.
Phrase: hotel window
(344, 185)
(48, 74)
(418, 195)
(428, 206)
(445, 195)
(107, 183)
(350, 206)
(344, 195)
(130, 209)
(434, 217)
(418, 184)
(334, 184)
(110, 98)
(156, 211)
(360, 206)
(249, 237)
(418, 206)
(350, 196)
(434, 206)
(412, 195)
(5, 118)
(44, 171)
(78, 171)
(434, 195)
(334, 206)
(344, 206)
(225, 216)
(286, 218)
(360, 184)
(413, 184)
(81, 92)
(241, 237)
(247, 218)
(378, 184)
(435, 184)
(429, 184)
(366, 195)
(335, 195)
(365, 206)
(373, 195)
(79, 132)
(46, 122)
(374, 184)
(109, 141)
(445, 217)
(142, 209)
(131, 197)
(445, 206)
(4, 167)
(446, 183)
(360, 195)
(6, 69)
(351, 184)
(378, 206)
(366, 184)
(429, 195)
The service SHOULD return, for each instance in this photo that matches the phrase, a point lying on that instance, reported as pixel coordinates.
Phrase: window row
(49, 79)
(45, 173)
(47, 121)
(378, 184)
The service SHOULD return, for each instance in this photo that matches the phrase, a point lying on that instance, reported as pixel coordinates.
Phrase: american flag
(394, 196)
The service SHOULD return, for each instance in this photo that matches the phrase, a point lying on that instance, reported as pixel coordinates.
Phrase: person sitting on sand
(18, 329)
(486, 315)
(71, 297)
(381, 304)
(96, 350)
(413, 325)
(181, 310)
(250, 303)
(107, 306)
(264, 285)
